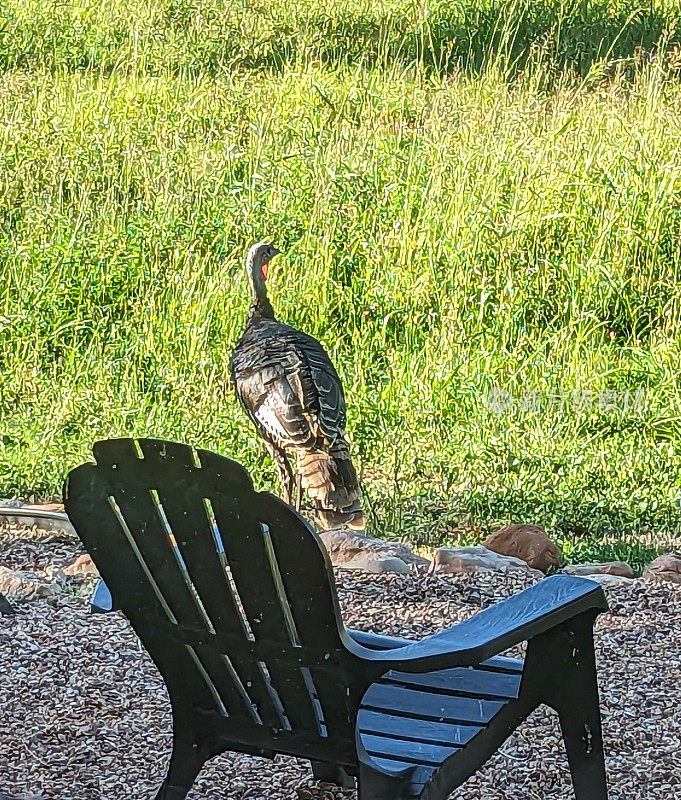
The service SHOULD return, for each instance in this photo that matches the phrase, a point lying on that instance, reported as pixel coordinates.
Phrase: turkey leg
(299, 491)
(283, 470)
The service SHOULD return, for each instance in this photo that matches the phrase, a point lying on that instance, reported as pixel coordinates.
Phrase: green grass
(469, 196)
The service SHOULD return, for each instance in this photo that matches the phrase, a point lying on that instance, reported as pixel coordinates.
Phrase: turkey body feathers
(291, 391)
(287, 385)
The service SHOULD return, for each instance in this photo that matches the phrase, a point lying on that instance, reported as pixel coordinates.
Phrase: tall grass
(468, 196)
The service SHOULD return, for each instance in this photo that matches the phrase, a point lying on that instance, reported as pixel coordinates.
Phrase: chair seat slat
(418, 776)
(410, 729)
(462, 681)
(417, 753)
(424, 705)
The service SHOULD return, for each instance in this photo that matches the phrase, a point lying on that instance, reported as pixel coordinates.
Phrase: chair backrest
(230, 591)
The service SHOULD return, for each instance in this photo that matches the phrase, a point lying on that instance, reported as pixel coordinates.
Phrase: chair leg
(584, 747)
(284, 471)
(580, 723)
(332, 773)
(569, 655)
(373, 785)
(185, 765)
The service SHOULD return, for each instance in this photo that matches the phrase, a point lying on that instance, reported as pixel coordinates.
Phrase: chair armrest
(548, 603)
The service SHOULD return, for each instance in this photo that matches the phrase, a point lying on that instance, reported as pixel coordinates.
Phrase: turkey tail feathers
(331, 483)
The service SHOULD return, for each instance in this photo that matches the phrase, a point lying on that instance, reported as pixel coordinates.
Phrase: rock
(606, 579)
(665, 568)
(82, 567)
(43, 507)
(619, 568)
(528, 542)
(464, 560)
(25, 585)
(55, 575)
(4, 796)
(346, 546)
(373, 563)
(47, 517)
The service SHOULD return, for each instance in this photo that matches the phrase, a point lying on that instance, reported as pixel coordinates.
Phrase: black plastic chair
(232, 595)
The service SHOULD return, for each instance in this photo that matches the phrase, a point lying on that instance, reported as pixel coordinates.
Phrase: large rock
(345, 546)
(607, 580)
(619, 568)
(374, 563)
(43, 507)
(466, 560)
(17, 585)
(528, 542)
(82, 567)
(665, 568)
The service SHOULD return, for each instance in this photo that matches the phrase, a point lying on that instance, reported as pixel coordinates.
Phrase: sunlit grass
(452, 219)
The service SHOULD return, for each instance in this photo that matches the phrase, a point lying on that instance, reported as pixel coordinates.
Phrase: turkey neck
(261, 308)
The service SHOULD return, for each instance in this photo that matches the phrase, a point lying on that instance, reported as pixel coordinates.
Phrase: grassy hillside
(473, 198)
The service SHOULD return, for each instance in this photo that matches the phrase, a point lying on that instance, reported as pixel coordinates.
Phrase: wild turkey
(290, 390)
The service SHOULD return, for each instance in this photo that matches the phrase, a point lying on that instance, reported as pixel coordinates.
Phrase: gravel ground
(84, 715)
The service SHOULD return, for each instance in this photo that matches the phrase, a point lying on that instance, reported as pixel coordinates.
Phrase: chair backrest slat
(314, 617)
(248, 557)
(140, 515)
(185, 524)
(231, 692)
(191, 530)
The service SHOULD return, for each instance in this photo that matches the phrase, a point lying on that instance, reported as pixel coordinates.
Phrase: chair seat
(417, 721)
